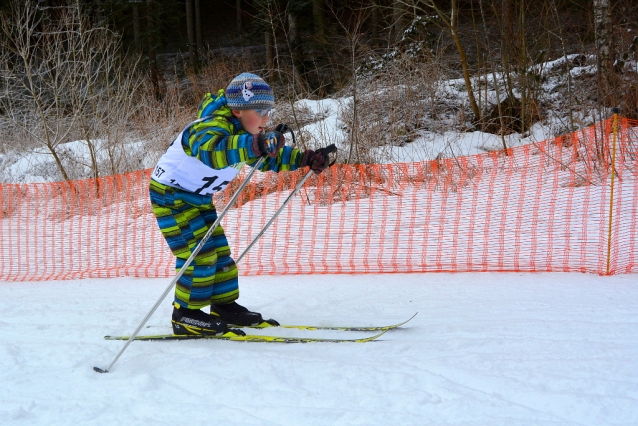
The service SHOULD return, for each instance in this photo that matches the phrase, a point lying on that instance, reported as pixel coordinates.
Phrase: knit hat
(248, 91)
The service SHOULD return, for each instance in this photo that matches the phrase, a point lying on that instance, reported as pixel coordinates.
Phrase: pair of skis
(274, 339)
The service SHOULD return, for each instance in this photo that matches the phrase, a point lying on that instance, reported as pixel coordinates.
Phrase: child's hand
(316, 160)
(319, 160)
(270, 143)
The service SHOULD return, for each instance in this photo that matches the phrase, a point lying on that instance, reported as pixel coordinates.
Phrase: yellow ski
(248, 338)
(267, 324)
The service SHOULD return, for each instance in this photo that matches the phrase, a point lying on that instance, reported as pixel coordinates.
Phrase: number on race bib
(209, 181)
(221, 186)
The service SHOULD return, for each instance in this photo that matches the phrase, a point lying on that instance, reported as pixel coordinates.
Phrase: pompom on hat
(249, 91)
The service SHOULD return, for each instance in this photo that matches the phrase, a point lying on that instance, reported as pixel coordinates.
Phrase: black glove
(316, 160)
(268, 143)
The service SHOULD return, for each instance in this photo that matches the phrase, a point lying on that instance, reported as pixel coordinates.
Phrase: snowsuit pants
(184, 218)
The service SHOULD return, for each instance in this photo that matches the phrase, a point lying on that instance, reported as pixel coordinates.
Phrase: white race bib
(179, 170)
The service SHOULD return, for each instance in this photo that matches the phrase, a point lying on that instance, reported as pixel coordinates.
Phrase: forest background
(95, 88)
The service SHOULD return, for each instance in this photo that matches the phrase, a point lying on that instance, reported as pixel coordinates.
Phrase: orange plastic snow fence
(549, 206)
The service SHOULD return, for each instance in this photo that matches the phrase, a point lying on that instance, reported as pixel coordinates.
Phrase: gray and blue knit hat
(249, 91)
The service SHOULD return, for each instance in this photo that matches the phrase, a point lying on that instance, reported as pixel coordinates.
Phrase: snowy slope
(485, 349)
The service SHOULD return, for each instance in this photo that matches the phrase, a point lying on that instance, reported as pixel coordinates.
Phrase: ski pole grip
(329, 150)
(283, 129)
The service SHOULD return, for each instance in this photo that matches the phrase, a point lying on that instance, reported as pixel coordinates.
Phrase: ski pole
(186, 265)
(329, 149)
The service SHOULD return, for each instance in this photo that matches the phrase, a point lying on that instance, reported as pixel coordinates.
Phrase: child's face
(251, 120)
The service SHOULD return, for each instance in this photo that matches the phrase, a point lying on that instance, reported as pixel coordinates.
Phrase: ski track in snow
(485, 349)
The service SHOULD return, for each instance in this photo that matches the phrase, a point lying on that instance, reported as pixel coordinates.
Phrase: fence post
(611, 196)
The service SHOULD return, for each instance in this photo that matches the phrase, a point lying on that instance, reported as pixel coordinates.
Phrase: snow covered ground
(485, 349)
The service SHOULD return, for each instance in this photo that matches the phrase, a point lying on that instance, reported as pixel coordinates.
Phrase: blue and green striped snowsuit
(184, 217)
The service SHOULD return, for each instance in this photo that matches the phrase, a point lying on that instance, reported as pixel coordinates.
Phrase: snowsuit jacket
(220, 141)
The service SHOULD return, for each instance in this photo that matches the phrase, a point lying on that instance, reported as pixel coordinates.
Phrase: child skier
(203, 159)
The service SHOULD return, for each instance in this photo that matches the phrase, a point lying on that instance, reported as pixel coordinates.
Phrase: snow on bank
(452, 144)
(328, 128)
(485, 349)
(39, 165)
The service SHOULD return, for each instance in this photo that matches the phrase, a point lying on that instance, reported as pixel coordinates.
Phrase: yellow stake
(611, 197)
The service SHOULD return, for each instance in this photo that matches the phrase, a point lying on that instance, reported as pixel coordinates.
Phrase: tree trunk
(99, 17)
(240, 20)
(136, 26)
(198, 26)
(399, 19)
(466, 77)
(604, 48)
(295, 51)
(270, 52)
(152, 57)
(454, 32)
(507, 42)
(523, 55)
(508, 35)
(150, 31)
(190, 27)
(58, 162)
(507, 9)
(319, 20)
(374, 17)
(47, 13)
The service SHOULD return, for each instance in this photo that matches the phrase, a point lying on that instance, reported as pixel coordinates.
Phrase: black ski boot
(194, 321)
(236, 314)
